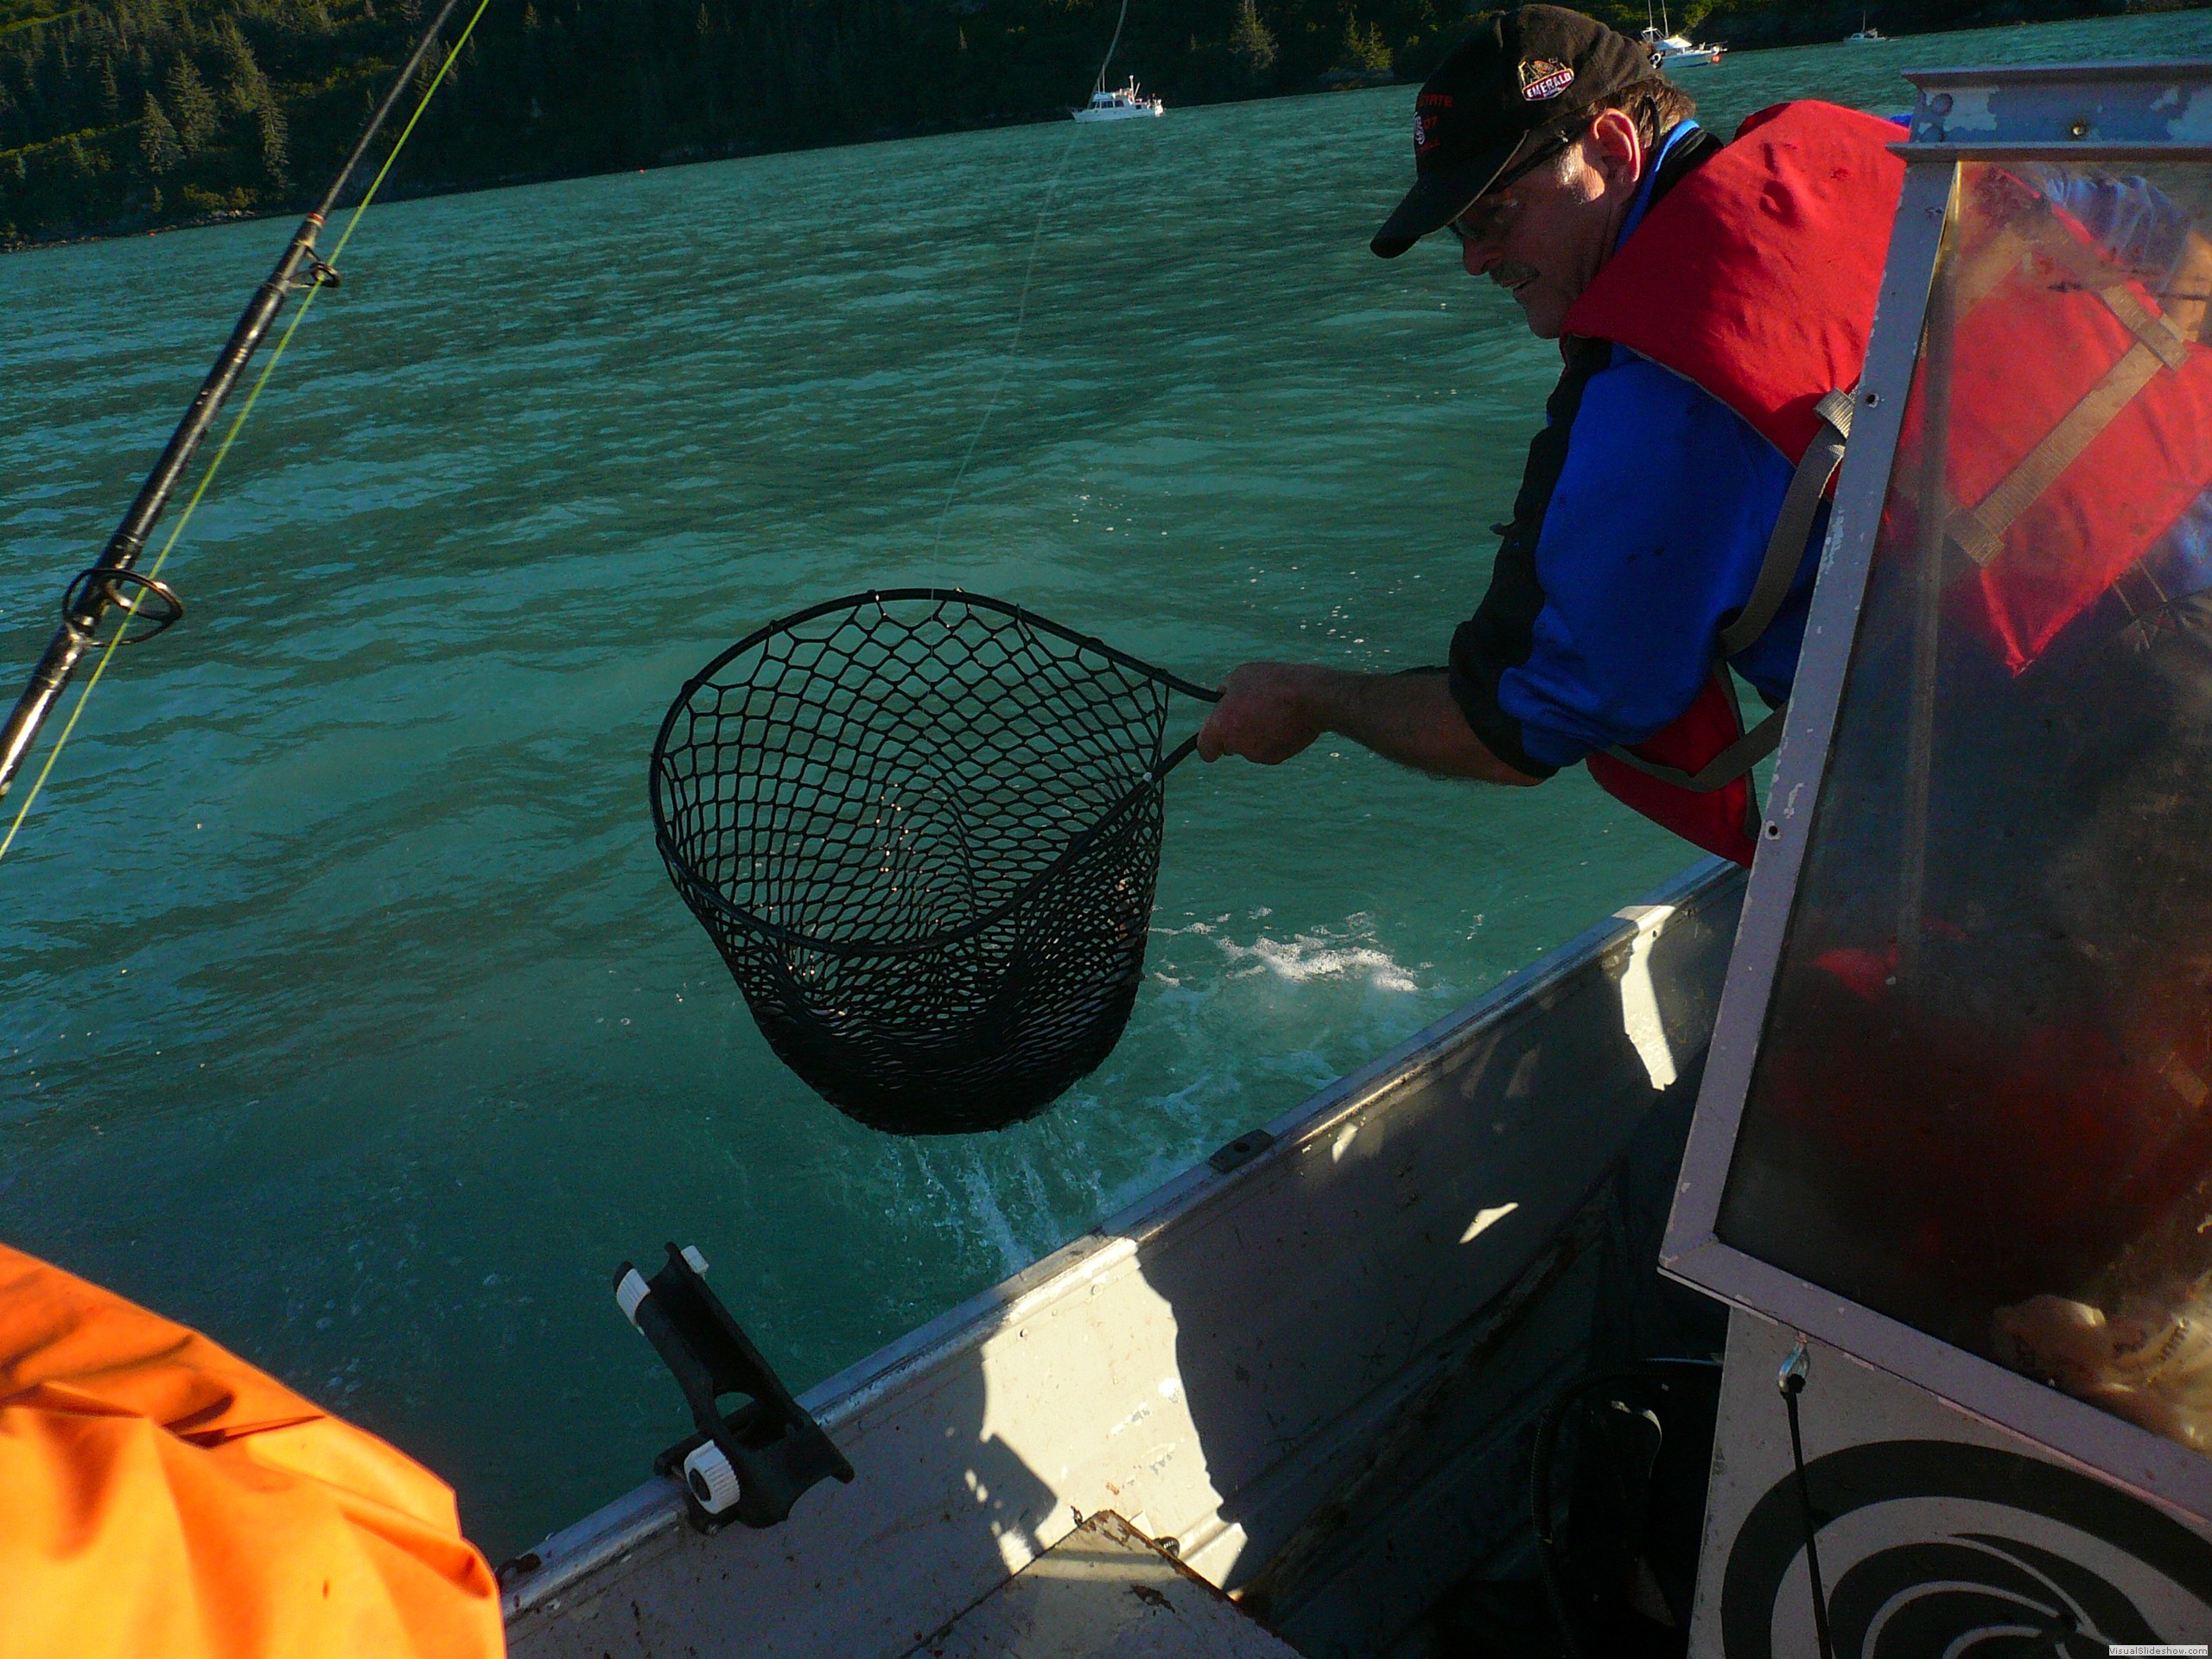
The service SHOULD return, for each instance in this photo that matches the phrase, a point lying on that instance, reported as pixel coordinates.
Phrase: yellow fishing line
(429, 92)
(229, 435)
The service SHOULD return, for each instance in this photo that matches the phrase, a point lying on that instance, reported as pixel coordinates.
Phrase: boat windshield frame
(2085, 113)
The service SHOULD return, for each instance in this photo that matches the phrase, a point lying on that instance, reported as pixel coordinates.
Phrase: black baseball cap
(1521, 73)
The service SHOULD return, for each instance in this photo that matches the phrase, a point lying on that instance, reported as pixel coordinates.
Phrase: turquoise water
(345, 1010)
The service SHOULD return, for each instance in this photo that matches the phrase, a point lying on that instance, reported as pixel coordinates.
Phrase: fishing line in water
(1022, 308)
(1013, 346)
(129, 606)
(1111, 44)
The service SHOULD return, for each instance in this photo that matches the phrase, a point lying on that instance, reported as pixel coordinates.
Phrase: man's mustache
(1511, 271)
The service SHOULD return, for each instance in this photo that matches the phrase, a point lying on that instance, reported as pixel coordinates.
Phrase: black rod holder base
(751, 1465)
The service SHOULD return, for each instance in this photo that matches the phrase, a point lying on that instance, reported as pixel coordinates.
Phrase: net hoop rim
(791, 938)
(881, 596)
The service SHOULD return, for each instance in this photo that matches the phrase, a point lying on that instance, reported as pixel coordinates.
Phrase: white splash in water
(1306, 956)
(984, 1203)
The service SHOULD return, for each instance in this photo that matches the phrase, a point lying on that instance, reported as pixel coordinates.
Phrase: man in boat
(2022, 1102)
(1670, 512)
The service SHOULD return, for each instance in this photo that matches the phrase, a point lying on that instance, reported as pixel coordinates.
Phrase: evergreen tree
(245, 89)
(1251, 42)
(159, 152)
(275, 144)
(193, 104)
(1363, 50)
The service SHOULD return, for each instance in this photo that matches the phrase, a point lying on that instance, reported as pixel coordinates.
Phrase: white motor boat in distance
(1671, 51)
(1674, 52)
(1124, 103)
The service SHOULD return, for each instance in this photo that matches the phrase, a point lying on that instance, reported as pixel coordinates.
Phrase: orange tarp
(160, 1496)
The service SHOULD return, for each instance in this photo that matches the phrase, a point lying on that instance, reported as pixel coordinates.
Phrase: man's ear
(1616, 148)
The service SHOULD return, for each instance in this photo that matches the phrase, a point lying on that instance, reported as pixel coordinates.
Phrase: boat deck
(1105, 1589)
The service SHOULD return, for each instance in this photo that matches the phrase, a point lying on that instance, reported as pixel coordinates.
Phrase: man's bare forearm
(1411, 719)
(1270, 711)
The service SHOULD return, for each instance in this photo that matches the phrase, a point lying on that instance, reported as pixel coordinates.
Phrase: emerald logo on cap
(1425, 108)
(1540, 78)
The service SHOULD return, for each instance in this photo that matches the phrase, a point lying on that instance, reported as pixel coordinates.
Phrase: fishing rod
(113, 584)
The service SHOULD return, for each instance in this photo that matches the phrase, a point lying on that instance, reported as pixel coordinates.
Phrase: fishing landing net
(923, 829)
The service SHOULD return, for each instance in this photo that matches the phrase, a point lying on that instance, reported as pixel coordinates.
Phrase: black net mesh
(923, 828)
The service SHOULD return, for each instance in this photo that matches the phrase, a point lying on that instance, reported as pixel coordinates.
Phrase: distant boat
(1866, 34)
(1672, 51)
(1124, 103)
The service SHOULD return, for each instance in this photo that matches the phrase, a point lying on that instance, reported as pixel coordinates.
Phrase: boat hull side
(1220, 1362)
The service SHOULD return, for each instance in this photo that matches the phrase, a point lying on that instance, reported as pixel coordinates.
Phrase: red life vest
(1754, 278)
(2119, 390)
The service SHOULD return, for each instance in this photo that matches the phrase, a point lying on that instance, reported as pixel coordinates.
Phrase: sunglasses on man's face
(1481, 219)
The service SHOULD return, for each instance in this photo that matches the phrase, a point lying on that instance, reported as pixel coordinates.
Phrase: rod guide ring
(154, 603)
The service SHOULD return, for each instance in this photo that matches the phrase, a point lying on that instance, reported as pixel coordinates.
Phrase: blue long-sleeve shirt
(1651, 543)
(1655, 533)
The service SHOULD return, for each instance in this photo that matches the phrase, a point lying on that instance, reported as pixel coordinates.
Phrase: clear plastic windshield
(1983, 1100)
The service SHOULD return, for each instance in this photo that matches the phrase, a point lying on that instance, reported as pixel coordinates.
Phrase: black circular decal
(1973, 1595)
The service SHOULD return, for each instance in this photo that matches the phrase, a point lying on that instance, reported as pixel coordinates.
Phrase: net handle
(880, 597)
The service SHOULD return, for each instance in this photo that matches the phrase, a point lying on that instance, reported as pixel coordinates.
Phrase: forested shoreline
(125, 115)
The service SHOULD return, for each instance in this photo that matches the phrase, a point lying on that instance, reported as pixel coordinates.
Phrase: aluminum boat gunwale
(619, 1546)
